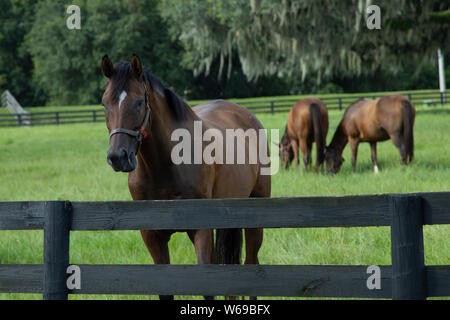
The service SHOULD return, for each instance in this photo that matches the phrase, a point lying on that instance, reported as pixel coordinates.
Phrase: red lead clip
(143, 132)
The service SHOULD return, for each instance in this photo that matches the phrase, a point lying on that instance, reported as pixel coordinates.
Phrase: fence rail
(407, 278)
(259, 106)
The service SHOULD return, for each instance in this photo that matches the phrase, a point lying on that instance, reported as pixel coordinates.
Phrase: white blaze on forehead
(122, 97)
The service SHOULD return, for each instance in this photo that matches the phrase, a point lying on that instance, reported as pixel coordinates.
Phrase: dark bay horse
(141, 116)
(389, 117)
(307, 123)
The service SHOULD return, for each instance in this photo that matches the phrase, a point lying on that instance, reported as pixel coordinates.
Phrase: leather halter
(140, 134)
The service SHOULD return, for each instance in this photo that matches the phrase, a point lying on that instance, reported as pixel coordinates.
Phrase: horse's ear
(136, 67)
(107, 66)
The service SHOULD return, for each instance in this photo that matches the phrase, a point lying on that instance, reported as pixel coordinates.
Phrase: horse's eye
(139, 103)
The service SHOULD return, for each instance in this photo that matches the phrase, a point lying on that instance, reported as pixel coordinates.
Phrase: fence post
(56, 249)
(272, 107)
(408, 266)
(57, 117)
(94, 115)
(19, 119)
(442, 98)
(340, 103)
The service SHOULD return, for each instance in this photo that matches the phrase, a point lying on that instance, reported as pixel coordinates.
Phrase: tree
(225, 43)
(16, 67)
(67, 62)
(325, 38)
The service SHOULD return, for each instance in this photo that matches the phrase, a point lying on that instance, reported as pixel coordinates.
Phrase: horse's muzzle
(332, 171)
(121, 160)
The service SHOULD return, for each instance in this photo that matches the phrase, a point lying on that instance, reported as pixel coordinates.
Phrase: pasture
(69, 162)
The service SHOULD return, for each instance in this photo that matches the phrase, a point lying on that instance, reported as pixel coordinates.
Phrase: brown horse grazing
(389, 117)
(307, 123)
(141, 116)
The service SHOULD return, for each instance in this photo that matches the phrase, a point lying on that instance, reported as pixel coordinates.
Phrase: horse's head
(127, 111)
(333, 160)
(285, 152)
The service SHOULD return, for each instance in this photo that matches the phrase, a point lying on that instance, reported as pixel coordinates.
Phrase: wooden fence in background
(407, 278)
(256, 106)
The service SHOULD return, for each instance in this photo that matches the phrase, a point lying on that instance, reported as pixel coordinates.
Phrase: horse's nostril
(109, 157)
(117, 159)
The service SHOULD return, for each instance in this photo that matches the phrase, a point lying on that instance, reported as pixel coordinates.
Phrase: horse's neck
(155, 154)
(340, 139)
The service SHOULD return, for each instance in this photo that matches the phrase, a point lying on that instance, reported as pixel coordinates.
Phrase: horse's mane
(121, 81)
(285, 138)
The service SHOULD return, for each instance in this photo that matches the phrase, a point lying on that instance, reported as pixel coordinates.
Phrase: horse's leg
(398, 142)
(203, 241)
(354, 146)
(157, 244)
(373, 152)
(294, 145)
(253, 241)
(309, 153)
(306, 153)
(254, 237)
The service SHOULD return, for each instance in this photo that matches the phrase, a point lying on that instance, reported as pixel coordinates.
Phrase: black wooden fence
(257, 106)
(407, 278)
(430, 98)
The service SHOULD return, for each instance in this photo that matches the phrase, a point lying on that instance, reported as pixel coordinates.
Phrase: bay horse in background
(141, 114)
(307, 123)
(389, 117)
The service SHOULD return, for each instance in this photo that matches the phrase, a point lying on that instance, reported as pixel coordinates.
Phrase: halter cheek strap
(140, 134)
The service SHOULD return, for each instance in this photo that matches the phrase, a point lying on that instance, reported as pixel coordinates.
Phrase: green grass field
(69, 163)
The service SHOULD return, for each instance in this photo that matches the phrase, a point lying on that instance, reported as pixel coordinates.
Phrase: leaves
(219, 48)
(67, 62)
(309, 36)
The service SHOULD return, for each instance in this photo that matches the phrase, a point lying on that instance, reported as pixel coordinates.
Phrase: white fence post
(441, 76)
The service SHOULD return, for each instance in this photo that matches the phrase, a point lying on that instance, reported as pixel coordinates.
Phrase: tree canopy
(307, 36)
(16, 65)
(67, 63)
(206, 49)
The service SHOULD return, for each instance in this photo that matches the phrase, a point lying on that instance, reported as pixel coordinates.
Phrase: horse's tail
(228, 246)
(408, 123)
(318, 135)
